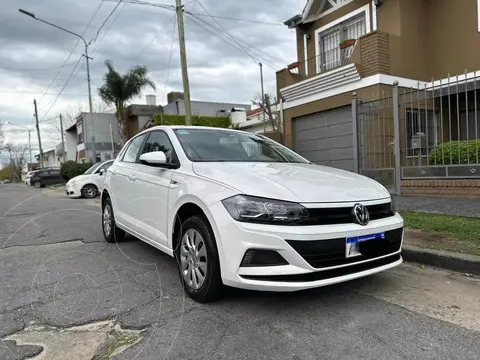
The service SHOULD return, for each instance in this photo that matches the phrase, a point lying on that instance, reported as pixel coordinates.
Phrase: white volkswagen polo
(239, 209)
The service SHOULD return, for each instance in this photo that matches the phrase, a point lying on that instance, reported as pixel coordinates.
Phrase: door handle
(132, 177)
(114, 172)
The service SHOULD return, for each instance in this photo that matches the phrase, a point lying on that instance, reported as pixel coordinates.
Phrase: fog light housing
(255, 257)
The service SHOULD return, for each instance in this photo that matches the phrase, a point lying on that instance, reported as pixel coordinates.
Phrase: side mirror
(154, 158)
(101, 171)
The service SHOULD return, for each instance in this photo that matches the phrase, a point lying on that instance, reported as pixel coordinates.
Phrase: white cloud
(217, 70)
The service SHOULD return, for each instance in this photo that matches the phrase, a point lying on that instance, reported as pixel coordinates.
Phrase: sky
(37, 60)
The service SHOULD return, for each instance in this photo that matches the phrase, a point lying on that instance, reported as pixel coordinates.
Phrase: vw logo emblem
(360, 214)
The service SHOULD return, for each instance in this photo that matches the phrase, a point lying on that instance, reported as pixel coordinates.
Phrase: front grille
(331, 252)
(333, 216)
(327, 274)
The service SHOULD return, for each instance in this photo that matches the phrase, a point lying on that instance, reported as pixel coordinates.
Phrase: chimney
(151, 100)
(175, 95)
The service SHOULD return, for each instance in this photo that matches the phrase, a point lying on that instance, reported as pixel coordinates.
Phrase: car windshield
(92, 169)
(213, 145)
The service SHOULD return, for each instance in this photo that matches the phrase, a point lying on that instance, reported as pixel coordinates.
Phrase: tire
(37, 184)
(89, 191)
(205, 260)
(111, 233)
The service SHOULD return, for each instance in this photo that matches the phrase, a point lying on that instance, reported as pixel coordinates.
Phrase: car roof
(175, 127)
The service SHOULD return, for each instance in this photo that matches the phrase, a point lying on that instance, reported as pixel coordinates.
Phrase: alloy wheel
(193, 259)
(107, 220)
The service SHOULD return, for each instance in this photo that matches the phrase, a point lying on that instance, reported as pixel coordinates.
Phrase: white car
(27, 178)
(90, 183)
(239, 209)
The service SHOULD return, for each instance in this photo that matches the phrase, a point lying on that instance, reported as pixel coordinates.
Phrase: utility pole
(30, 150)
(94, 148)
(183, 60)
(63, 141)
(263, 97)
(38, 134)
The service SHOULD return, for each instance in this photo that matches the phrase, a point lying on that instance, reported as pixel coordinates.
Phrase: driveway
(63, 287)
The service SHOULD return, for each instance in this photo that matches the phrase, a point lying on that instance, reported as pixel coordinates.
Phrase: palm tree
(118, 89)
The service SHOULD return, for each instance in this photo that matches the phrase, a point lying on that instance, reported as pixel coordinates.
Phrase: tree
(118, 89)
(271, 117)
(17, 159)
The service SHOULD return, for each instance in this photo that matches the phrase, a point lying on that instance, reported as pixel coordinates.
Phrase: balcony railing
(326, 61)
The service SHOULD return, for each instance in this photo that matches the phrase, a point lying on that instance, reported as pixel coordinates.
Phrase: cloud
(219, 68)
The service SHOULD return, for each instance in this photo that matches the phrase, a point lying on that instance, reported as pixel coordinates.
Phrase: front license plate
(352, 244)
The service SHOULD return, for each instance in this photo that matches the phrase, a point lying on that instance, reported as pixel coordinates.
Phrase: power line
(171, 7)
(276, 60)
(71, 52)
(226, 32)
(39, 92)
(224, 40)
(109, 27)
(156, 36)
(45, 69)
(61, 90)
(105, 21)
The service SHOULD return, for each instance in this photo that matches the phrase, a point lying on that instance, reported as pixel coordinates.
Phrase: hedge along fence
(70, 169)
(456, 152)
(211, 121)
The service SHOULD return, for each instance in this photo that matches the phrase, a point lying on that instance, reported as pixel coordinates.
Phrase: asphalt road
(56, 271)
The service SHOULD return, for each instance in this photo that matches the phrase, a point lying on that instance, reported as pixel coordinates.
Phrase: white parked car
(90, 183)
(239, 209)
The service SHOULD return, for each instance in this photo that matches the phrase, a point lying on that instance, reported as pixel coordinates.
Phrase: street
(57, 272)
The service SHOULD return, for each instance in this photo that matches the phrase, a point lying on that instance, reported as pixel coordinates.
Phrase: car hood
(293, 182)
(79, 178)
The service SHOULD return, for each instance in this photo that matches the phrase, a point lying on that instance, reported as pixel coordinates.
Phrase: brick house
(379, 86)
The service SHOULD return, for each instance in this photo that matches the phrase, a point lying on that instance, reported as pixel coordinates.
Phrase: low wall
(468, 189)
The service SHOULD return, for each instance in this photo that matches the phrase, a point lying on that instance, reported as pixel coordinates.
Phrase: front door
(123, 181)
(152, 186)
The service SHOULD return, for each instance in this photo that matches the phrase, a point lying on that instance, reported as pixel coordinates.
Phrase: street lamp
(29, 141)
(32, 15)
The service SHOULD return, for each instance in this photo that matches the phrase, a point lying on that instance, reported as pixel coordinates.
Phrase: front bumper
(302, 272)
(72, 191)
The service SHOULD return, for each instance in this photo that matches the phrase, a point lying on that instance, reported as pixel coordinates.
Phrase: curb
(451, 261)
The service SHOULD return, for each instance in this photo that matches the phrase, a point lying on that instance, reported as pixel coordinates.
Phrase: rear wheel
(111, 232)
(89, 191)
(198, 261)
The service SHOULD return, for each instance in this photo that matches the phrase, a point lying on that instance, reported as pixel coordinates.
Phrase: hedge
(448, 153)
(211, 121)
(70, 169)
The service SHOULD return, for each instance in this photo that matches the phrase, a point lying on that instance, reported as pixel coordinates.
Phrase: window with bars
(420, 121)
(331, 56)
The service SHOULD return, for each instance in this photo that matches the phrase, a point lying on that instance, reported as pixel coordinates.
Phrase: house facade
(50, 160)
(103, 128)
(388, 88)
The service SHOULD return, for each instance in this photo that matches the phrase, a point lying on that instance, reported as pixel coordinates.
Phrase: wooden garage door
(326, 138)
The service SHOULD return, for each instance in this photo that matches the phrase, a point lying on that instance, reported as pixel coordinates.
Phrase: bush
(456, 152)
(70, 169)
(211, 121)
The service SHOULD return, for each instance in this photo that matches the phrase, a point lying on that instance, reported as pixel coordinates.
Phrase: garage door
(326, 137)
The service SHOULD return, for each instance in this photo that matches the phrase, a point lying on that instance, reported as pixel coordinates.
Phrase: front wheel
(111, 232)
(89, 191)
(37, 184)
(198, 261)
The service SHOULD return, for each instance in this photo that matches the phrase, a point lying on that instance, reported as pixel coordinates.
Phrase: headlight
(393, 207)
(259, 210)
(72, 183)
